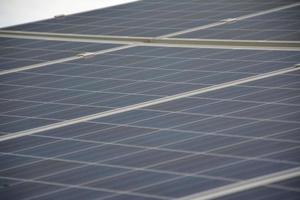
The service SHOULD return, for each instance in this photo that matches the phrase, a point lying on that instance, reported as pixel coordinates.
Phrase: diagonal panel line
(222, 22)
(245, 185)
(76, 57)
(146, 104)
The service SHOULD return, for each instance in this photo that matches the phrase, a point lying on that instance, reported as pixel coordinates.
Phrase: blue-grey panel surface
(161, 152)
(166, 151)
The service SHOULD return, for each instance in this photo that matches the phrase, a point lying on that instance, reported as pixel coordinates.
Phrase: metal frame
(178, 42)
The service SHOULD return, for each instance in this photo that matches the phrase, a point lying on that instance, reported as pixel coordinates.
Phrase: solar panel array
(100, 127)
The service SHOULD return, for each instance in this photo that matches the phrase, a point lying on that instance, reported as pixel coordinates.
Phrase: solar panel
(153, 119)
